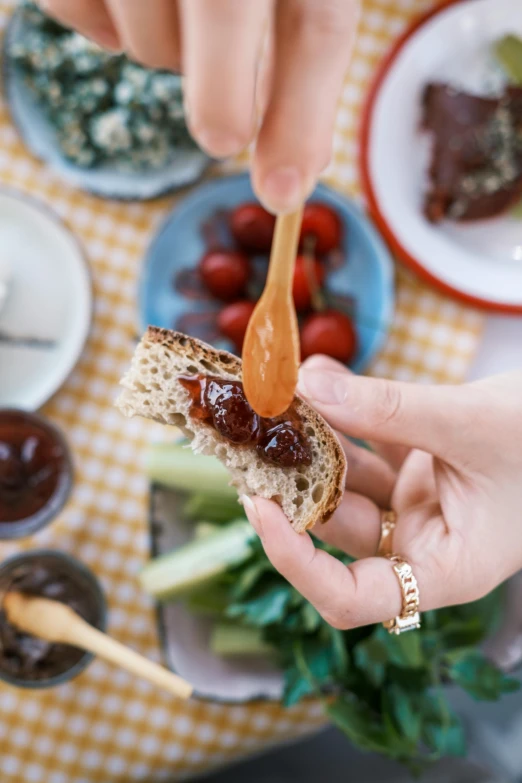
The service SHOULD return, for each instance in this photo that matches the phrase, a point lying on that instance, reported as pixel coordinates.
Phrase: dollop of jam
(32, 460)
(222, 404)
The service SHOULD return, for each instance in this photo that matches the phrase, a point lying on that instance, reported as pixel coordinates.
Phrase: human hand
(294, 82)
(456, 489)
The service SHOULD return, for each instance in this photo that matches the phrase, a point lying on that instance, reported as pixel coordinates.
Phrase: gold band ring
(388, 523)
(409, 618)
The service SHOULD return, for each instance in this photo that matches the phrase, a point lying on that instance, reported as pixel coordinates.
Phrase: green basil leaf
(365, 729)
(371, 656)
(404, 706)
(404, 650)
(248, 578)
(442, 730)
(311, 619)
(478, 676)
(269, 607)
(296, 687)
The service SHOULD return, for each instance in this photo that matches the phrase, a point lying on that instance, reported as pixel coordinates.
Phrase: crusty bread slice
(307, 494)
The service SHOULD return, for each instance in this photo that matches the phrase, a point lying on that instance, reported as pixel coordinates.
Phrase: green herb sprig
(386, 693)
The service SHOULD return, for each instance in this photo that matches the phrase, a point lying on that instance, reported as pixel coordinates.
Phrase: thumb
(414, 415)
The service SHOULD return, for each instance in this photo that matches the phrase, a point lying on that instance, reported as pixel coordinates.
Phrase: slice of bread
(307, 494)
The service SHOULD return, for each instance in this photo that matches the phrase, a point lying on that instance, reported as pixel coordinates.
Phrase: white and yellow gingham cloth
(106, 727)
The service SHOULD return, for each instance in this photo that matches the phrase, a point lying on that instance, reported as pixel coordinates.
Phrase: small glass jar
(60, 564)
(36, 473)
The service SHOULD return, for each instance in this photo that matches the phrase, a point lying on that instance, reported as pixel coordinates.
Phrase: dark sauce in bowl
(223, 405)
(25, 659)
(35, 473)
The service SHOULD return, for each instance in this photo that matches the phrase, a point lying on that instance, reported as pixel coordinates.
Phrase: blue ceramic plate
(361, 278)
(105, 181)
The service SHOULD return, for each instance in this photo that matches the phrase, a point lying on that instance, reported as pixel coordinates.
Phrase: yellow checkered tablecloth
(106, 727)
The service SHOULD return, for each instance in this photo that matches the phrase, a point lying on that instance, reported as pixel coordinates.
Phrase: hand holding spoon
(271, 354)
(56, 622)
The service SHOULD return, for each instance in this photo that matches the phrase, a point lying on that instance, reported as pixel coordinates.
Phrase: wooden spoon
(271, 353)
(56, 622)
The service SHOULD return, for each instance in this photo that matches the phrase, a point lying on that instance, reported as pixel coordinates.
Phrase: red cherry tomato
(233, 321)
(301, 287)
(324, 225)
(331, 333)
(225, 273)
(252, 227)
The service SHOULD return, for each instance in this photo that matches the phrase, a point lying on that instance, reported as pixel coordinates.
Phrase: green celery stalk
(229, 640)
(212, 507)
(198, 562)
(509, 53)
(204, 529)
(176, 466)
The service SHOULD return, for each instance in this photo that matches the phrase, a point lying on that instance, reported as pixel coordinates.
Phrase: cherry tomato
(233, 321)
(301, 287)
(225, 273)
(331, 333)
(252, 227)
(324, 225)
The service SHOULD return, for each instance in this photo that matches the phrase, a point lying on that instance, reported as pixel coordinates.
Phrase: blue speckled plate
(105, 181)
(362, 282)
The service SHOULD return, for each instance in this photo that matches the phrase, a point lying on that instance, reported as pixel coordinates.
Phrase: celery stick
(215, 508)
(203, 529)
(200, 561)
(175, 465)
(509, 53)
(230, 640)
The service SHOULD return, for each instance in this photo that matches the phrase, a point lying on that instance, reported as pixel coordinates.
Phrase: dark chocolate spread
(222, 404)
(24, 656)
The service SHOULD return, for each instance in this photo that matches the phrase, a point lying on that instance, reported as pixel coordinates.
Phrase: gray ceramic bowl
(26, 527)
(78, 572)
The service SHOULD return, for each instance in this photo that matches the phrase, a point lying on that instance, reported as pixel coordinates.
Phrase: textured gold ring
(409, 618)
(388, 523)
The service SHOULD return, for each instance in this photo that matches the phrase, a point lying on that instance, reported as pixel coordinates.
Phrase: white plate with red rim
(479, 262)
(45, 315)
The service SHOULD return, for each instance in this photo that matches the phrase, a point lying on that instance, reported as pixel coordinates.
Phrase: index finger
(394, 454)
(364, 592)
(312, 49)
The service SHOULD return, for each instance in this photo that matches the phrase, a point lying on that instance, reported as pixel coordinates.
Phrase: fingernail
(219, 144)
(325, 387)
(251, 512)
(283, 189)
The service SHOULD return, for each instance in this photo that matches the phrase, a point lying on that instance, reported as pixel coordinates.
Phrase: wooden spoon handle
(84, 635)
(284, 248)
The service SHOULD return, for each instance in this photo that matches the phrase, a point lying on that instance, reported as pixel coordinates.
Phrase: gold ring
(388, 523)
(409, 618)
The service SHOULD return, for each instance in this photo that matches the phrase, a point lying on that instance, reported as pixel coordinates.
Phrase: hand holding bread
(446, 459)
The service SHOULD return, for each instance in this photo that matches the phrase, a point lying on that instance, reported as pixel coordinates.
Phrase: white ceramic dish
(480, 262)
(46, 315)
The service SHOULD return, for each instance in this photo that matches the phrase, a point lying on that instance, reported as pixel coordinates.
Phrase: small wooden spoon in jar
(56, 622)
(271, 352)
